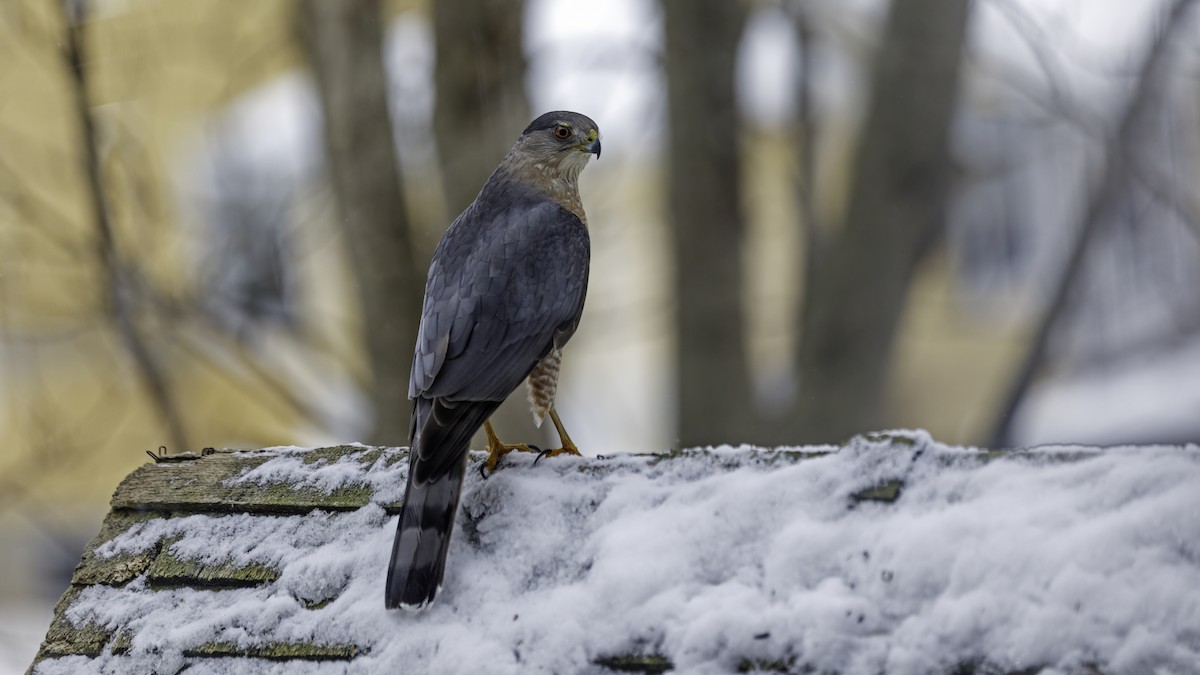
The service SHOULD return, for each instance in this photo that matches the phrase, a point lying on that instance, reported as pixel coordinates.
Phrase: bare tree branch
(22, 202)
(1168, 192)
(280, 389)
(119, 279)
(1115, 176)
(1039, 45)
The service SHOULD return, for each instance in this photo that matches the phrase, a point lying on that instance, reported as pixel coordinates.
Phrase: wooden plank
(650, 664)
(163, 569)
(119, 569)
(66, 639)
(171, 571)
(278, 651)
(203, 485)
(887, 492)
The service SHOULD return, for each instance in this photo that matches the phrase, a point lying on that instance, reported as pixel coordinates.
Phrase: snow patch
(715, 557)
(293, 467)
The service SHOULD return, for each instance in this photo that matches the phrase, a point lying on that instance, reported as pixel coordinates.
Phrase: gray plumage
(506, 287)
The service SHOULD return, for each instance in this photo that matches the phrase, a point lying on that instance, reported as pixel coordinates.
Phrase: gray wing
(502, 291)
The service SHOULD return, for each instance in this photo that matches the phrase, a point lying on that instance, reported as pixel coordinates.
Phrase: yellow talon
(568, 446)
(497, 449)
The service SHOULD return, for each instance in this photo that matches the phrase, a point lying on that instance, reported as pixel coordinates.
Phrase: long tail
(441, 434)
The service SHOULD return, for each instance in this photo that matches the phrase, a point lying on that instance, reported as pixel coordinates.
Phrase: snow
(386, 479)
(712, 558)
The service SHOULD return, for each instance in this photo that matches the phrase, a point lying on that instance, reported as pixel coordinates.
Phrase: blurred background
(813, 218)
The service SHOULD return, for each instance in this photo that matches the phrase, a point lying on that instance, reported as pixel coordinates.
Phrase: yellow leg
(496, 449)
(568, 446)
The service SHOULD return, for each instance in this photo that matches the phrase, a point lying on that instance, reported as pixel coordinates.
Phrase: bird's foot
(495, 452)
(568, 446)
(567, 449)
(497, 449)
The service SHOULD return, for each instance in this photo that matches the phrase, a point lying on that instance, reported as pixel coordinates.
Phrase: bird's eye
(562, 132)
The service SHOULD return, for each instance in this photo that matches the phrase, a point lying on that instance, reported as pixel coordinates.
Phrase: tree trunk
(481, 108)
(706, 222)
(902, 177)
(481, 105)
(344, 41)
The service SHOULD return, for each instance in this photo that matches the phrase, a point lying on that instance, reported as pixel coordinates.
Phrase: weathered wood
(169, 571)
(66, 639)
(119, 569)
(763, 666)
(161, 567)
(650, 664)
(654, 664)
(888, 491)
(122, 643)
(280, 651)
(206, 485)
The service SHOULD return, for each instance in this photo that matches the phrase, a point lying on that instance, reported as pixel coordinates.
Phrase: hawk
(504, 295)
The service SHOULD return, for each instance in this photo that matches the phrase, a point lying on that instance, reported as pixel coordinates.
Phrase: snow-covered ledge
(892, 554)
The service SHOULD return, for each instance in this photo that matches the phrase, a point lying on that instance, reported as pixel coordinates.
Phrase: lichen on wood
(169, 571)
(207, 485)
(887, 492)
(119, 569)
(277, 651)
(651, 664)
(64, 638)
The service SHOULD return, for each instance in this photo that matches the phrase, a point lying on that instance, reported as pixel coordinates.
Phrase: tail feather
(422, 539)
(437, 465)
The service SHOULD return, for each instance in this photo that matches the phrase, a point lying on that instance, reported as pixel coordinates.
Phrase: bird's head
(560, 141)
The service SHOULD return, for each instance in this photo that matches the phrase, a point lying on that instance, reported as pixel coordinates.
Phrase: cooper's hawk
(504, 294)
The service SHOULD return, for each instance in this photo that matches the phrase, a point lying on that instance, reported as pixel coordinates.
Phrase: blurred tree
(481, 104)
(902, 176)
(1120, 165)
(705, 218)
(344, 41)
(126, 291)
(480, 109)
(247, 272)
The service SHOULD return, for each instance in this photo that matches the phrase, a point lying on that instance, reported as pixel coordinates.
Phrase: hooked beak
(593, 147)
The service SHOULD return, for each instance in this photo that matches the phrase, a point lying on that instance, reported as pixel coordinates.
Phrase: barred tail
(422, 538)
(441, 434)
